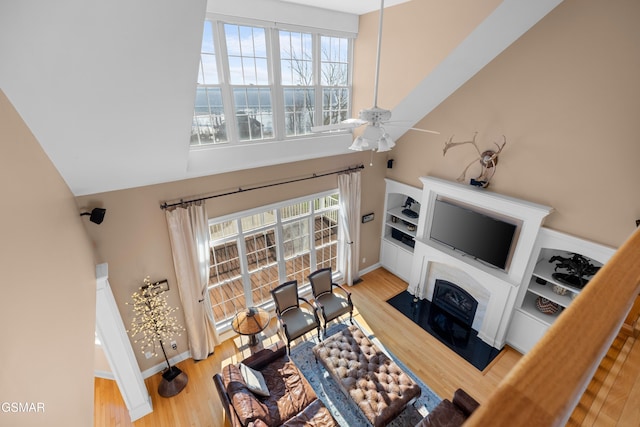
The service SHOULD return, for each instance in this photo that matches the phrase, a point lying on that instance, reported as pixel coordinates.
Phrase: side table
(251, 322)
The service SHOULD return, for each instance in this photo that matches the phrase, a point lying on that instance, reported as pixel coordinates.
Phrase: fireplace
(452, 312)
(455, 301)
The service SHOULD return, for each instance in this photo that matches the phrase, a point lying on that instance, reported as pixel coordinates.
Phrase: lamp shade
(359, 144)
(368, 140)
(385, 143)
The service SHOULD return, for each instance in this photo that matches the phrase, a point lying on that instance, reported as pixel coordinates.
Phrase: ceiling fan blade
(396, 123)
(343, 125)
(426, 131)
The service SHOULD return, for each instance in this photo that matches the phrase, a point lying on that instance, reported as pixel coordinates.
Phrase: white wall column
(117, 349)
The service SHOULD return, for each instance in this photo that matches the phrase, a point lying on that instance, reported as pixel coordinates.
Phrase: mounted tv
(473, 233)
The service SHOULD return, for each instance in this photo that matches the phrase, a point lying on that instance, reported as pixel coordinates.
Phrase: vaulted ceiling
(108, 87)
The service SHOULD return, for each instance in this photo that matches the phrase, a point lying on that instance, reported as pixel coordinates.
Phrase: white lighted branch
(153, 322)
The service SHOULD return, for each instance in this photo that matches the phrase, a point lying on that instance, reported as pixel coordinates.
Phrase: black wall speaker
(389, 163)
(96, 215)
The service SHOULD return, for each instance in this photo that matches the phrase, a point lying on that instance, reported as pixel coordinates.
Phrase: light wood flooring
(434, 363)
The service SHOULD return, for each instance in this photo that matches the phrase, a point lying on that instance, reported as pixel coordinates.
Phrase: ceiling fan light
(359, 144)
(385, 143)
(372, 134)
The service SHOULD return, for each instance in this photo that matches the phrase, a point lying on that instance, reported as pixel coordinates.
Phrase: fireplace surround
(497, 289)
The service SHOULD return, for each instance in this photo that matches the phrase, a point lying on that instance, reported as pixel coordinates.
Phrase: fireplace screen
(455, 301)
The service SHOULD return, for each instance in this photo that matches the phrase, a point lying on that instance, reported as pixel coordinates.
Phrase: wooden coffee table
(251, 322)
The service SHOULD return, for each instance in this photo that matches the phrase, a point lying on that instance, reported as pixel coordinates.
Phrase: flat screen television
(473, 233)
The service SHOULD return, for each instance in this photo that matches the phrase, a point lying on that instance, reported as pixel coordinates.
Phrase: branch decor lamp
(154, 323)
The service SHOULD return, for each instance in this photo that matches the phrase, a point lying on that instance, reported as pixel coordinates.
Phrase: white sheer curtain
(189, 235)
(349, 238)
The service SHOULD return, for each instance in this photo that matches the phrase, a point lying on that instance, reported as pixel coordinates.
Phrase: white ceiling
(357, 7)
(107, 88)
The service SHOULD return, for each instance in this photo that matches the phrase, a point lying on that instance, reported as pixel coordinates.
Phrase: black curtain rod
(166, 205)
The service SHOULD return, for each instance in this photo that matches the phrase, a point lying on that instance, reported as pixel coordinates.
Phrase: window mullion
(317, 79)
(282, 265)
(350, 77)
(277, 91)
(244, 265)
(227, 90)
(313, 263)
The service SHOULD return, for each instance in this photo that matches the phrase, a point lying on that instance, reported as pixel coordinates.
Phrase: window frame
(276, 88)
(240, 236)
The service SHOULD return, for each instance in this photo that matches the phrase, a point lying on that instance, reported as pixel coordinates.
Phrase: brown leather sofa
(451, 414)
(291, 401)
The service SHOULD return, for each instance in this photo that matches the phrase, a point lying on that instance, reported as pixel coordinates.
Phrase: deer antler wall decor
(488, 160)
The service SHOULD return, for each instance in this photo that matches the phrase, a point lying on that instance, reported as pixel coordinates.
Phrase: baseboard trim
(370, 269)
(104, 374)
(163, 365)
(141, 410)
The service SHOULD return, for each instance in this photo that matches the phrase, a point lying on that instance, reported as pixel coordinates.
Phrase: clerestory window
(262, 82)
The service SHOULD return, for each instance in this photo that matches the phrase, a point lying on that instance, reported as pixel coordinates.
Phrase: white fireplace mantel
(502, 285)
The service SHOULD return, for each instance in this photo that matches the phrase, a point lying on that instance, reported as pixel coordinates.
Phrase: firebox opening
(452, 313)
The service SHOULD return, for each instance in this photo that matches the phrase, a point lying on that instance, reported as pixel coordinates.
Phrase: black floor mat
(463, 341)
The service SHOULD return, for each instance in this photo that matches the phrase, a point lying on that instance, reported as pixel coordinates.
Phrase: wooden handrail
(546, 385)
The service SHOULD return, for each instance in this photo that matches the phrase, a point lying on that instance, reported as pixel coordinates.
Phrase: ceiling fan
(374, 136)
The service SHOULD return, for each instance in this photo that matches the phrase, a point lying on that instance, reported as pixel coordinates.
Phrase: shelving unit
(402, 224)
(398, 229)
(544, 270)
(528, 323)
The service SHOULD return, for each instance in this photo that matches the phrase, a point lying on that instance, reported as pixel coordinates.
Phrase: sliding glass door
(253, 252)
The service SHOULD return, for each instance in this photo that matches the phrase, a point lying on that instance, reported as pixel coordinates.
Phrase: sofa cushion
(314, 415)
(246, 404)
(289, 391)
(254, 380)
(446, 414)
(464, 402)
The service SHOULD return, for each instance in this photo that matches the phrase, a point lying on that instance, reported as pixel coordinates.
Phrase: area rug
(344, 410)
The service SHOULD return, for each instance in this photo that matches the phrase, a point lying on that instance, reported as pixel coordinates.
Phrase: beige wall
(567, 97)
(47, 309)
(133, 238)
(416, 36)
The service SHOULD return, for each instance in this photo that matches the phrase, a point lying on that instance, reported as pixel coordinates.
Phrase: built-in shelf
(401, 222)
(544, 270)
(546, 291)
(398, 213)
(529, 323)
(529, 306)
(399, 230)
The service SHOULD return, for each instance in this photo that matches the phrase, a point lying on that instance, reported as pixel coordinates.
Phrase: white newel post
(117, 349)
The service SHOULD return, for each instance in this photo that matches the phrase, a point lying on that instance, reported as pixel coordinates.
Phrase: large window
(253, 252)
(274, 83)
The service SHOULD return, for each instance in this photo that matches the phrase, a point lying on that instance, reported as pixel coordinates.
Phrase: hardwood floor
(434, 363)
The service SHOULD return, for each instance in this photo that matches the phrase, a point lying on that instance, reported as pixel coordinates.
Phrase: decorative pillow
(255, 380)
